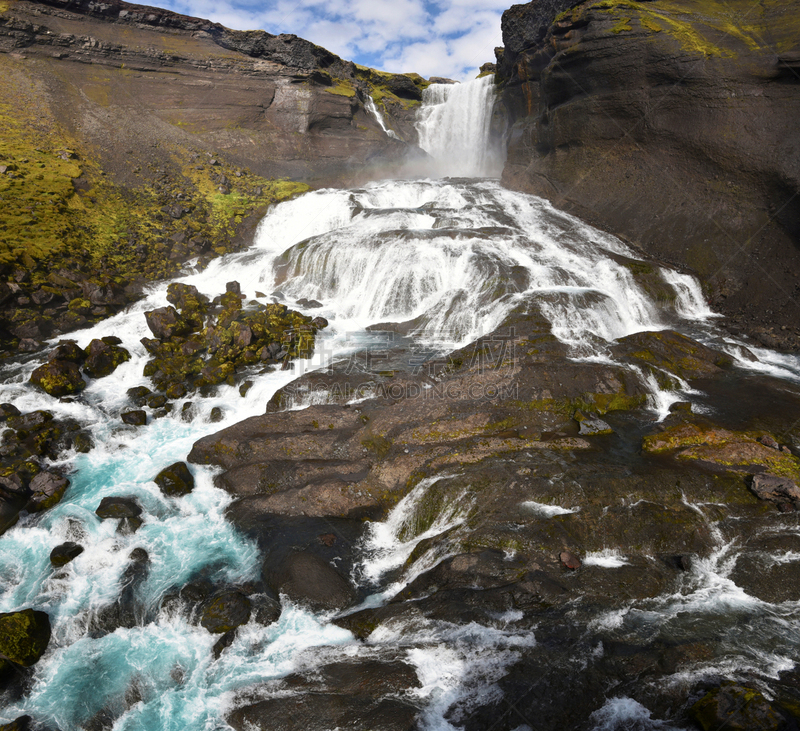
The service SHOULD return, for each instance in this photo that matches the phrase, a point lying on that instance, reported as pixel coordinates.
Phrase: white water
(454, 128)
(459, 256)
(373, 110)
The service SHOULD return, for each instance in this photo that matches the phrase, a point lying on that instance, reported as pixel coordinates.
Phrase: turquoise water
(162, 674)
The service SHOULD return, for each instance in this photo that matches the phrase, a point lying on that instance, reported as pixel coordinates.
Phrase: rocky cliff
(136, 138)
(674, 124)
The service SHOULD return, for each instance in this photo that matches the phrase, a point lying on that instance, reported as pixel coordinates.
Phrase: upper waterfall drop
(454, 126)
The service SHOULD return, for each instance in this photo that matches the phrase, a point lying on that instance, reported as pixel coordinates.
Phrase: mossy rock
(733, 707)
(734, 451)
(225, 611)
(24, 636)
(673, 352)
(62, 554)
(103, 358)
(175, 480)
(58, 378)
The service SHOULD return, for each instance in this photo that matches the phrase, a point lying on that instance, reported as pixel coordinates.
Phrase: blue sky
(447, 38)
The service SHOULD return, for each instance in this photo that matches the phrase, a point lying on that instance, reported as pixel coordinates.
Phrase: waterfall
(454, 125)
(453, 256)
(369, 105)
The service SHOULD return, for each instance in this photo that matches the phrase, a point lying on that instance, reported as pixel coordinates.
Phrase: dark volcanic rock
(119, 507)
(23, 723)
(166, 322)
(617, 117)
(24, 636)
(137, 417)
(68, 350)
(138, 395)
(673, 352)
(307, 579)
(7, 411)
(175, 480)
(102, 358)
(353, 695)
(737, 708)
(58, 378)
(127, 610)
(61, 555)
(225, 611)
(775, 489)
(47, 489)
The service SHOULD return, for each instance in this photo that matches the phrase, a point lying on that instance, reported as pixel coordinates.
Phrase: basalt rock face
(278, 105)
(136, 139)
(672, 124)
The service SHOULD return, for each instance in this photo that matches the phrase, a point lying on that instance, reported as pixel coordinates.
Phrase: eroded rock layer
(672, 124)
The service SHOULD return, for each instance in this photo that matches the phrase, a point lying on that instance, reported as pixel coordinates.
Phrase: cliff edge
(136, 139)
(674, 124)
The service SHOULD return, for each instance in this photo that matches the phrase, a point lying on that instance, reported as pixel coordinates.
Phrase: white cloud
(446, 38)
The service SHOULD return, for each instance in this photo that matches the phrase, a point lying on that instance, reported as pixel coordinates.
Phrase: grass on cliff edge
(704, 27)
(57, 208)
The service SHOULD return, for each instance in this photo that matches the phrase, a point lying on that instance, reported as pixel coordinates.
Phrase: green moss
(59, 210)
(341, 88)
(623, 24)
(595, 403)
(736, 450)
(693, 30)
(24, 636)
(377, 444)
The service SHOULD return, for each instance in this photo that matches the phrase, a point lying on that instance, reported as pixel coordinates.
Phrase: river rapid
(455, 256)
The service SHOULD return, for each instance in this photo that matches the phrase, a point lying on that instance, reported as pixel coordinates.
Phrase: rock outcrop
(135, 139)
(671, 124)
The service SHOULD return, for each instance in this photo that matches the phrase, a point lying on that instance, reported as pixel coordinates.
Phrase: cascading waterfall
(454, 125)
(454, 258)
(373, 110)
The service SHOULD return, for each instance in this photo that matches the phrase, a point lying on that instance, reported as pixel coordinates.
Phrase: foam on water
(625, 714)
(547, 511)
(460, 257)
(608, 558)
(388, 544)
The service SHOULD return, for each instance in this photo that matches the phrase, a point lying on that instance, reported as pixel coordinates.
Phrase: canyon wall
(673, 124)
(136, 139)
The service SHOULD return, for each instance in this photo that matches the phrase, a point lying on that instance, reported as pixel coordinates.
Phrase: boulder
(24, 636)
(137, 417)
(31, 422)
(307, 579)
(58, 378)
(103, 358)
(127, 610)
(673, 352)
(589, 425)
(23, 723)
(175, 480)
(225, 611)
(62, 554)
(733, 707)
(774, 488)
(138, 395)
(7, 411)
(11, 503)
(68, 350)
(165, 322)
(47, 489)
(118, 507)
